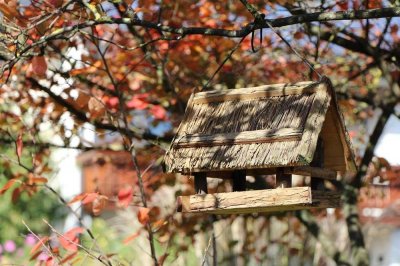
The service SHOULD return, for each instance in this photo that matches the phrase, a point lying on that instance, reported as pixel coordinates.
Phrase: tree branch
(129, 132)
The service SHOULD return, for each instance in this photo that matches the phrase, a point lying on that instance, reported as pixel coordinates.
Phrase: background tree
(109, 62)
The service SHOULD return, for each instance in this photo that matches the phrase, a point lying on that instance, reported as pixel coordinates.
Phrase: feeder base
(253, 201)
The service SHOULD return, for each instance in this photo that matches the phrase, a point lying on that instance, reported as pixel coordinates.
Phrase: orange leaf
(38, 180)
(125, 196)
(99, 204)
(131, 237)
(34, 256)
(40, 243)
(70, 240)
(8, 185)
(96, 108)
(19, 145)
(69, 257)
(89, 197)
(76, 199)
(143, 215)
(39, 65)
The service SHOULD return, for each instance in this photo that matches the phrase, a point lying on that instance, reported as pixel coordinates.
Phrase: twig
(87, 251)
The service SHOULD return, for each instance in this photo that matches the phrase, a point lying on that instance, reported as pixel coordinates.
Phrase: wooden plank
(245, 137)
(312, 171)
(255, 92)
(268, 200)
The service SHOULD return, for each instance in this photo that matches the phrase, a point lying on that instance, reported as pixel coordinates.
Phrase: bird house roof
(260, 127)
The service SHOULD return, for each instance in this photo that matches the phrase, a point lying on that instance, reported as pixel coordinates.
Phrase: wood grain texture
(245, 137)
(312, 171)
(217, 136)
(268, 200)
(255, 92)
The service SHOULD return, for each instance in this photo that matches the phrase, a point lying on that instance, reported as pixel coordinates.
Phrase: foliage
(129, 67)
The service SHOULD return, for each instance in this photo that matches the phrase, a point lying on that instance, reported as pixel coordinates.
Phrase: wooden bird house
(281, 129)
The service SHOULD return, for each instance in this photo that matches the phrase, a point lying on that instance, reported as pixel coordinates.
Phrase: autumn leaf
(158, 112)
(8, 185)
(131, 237)
(19, 145)
(137, 103)
(96, 108)
(143, 215)
(89, 197)
(70, 240)
(99, 204)
(39, 66)
(40, 243)
(77, 198)
(69, 257)
(15, 195)
(125, 196)
(85, 198)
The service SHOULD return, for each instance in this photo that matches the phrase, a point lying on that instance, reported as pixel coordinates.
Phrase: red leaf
(50, 261)
(19, 146)
(70, 240)
(76, 199)
(137, 103)
(143, 215)
(89, 198)
(8, 185)
(125, 196)
(69, 257)
(15, 195)
(34, 256)
(99, 204)
(343, 4)
(158, 112)
(39, 65)
(131, 237)
(75, 231)
(40, 243)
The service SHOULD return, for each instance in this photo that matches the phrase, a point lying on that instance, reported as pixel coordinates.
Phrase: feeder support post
(283, 180)
(318, 161)
(200, 183)
(239, 180)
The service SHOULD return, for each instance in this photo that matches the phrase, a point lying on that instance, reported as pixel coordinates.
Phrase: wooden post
(200, 183)
(318, 161)
(283, 180)
(239, 180)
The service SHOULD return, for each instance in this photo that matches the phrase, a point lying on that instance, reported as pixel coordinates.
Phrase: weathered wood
(255, 92)
(283, 180)
(315, 117)
(312, 171)
(268, 200)
(200, 183)
(239, 180)
(318, 161)
(259, 136)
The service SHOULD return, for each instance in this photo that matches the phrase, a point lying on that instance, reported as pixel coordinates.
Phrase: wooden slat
(254, 92)
(245, 137)
(280, 199)
(312, 171)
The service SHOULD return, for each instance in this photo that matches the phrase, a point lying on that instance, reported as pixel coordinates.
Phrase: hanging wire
(305, 61)
(229, 55)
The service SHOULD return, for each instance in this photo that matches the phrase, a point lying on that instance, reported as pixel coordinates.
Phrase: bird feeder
(281, 129)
